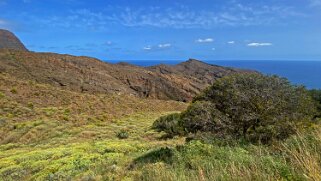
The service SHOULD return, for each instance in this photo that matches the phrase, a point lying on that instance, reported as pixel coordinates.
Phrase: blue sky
(167, 29)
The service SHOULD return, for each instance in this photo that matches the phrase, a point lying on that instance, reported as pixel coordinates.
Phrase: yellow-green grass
(51, 134)
(298, 158)
(89, 151)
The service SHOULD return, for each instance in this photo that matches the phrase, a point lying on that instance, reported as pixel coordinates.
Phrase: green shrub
(253, 107)
(316, 95)
(122, 134)
(2, 95)
(159, 155)
(14, 91)
(30, 105)
(168, 124)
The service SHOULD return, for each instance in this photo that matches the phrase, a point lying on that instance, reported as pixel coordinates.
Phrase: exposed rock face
(179, 82)
(9, 41)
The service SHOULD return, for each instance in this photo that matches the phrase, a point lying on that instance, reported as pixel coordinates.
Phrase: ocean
(307, 73)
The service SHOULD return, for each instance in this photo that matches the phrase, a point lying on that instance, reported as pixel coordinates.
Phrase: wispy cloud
(147, 48)
(231, 42)
(5, 24)
(108, 43)
(178, 17)
(206, 40)
(166, 45)
(80, 19)
(259, 44)
(184, 17)
(315, 3)
(158, 47)
(2, 22)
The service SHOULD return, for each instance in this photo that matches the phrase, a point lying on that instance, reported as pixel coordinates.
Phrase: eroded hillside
(83, 74)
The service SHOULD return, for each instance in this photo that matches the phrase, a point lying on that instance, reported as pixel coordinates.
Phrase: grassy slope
(48, 133)
(51, 134)
(299, 158)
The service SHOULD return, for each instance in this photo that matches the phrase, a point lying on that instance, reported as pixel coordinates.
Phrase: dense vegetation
(297, 158)
(51, 134)
(253, 107)
(316, 95)
(230, 116)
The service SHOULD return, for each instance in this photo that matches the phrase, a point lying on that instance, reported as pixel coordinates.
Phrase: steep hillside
(27, 101)
(83, 74)
(9, 41)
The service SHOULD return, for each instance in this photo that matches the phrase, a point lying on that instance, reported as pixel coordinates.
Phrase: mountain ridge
(179, 82)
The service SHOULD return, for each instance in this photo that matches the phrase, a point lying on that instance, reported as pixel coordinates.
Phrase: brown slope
(86, 74)
(9, 41)
(203, 71)
(194, 75)
(83, 74)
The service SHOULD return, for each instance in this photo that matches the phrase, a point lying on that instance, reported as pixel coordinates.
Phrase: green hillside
(49, 134)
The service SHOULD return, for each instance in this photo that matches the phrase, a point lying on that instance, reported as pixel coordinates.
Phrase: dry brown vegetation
(84, 74)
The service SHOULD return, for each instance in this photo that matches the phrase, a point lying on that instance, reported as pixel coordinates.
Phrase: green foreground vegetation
(51, 134)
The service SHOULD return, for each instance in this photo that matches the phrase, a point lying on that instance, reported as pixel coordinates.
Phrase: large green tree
(255, 107)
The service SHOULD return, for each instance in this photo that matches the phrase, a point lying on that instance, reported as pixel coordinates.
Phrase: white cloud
(147, 48)
(259, 44)
(206, 40)
(157, 47)
(108, 43)
(166, 45)
(231, 42)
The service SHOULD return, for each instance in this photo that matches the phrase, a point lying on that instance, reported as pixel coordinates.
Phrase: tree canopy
(255, 107)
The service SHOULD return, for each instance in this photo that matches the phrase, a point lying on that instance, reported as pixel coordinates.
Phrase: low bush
(122, 134)
(168, 124)
(14, 91)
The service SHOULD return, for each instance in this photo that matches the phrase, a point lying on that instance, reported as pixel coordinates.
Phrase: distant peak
(6, 31)
(192, 62)
(9, 41)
